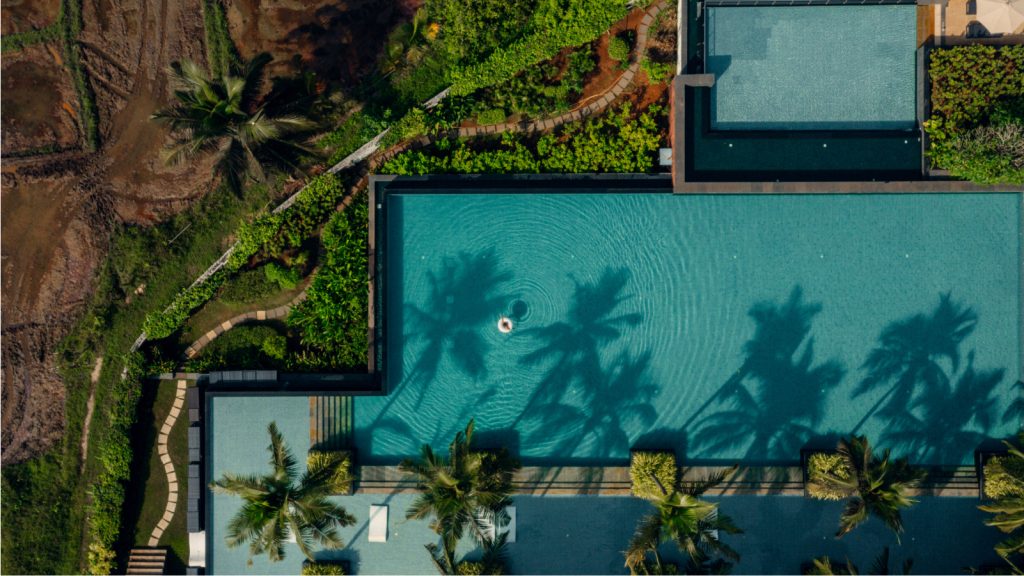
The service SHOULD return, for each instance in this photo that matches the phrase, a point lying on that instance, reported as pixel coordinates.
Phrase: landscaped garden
(976, 128)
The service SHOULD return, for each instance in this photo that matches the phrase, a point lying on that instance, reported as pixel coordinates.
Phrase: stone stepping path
(165, 459)
(279, 313)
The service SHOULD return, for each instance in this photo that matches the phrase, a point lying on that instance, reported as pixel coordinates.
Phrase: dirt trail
(89, 407)
(58, 210)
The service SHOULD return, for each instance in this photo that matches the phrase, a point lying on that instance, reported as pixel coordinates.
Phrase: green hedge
(221, 55)
(163, 323)
(558, 25)
(820, 465)
(108, 489)
(1004, 477)
(322, 569)
(332, 320)
(645, 467)
(616, 142)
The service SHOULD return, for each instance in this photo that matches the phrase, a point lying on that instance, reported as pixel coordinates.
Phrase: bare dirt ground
(58, 209)
(337, 39)
(22, 15)
(34, 95)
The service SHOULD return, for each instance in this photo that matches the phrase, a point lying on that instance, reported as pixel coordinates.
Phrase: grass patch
(70, 29)
(18, 41)
(221, 54)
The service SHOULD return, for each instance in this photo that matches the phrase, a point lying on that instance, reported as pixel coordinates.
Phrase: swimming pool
(812, 67)
(726, 327)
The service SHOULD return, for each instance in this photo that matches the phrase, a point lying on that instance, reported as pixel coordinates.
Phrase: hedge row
(220, 50)
(266, 235)
(71, 28)
(115, 457)
(574, 24)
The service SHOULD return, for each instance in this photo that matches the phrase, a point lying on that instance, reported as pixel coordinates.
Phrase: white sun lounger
(378, 524)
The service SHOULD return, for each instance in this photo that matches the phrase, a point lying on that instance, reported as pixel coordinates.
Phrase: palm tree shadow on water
(773, 403)
(464, 298)
(934, 408)
(588, 386)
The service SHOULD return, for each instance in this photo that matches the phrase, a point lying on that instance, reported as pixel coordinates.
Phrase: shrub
(821, 464)
(493, 116)
(1004, 477)
(249, 346)
(658, 71)
(968, 82)
(100, 559)
(285, 278)
(616, 142)
(339, 461)
(332, 320)
(247, 287)
(618, 49)
(322, 569)
(469, 568)
(163, 323)
(556, 24)
(648, 470)
(985, 154)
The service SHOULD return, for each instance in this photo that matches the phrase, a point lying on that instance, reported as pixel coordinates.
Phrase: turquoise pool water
(727, 327)
(812, 67)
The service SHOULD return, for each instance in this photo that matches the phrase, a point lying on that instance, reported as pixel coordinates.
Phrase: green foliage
(1004, 477)
(820, 467)
(243, 346)
(653, 474)
(469, 568)
(221, 55)
(332, 320)
(974, 87)
(618, 49)
(18, 41)
(470, 30)
(322, 569)
(70, 28)
(358, 129)
(556, 24)
(544, 89)
(491, 116)
(968, 82)
(657, 71)
(985, 154)
(616, 142)
(108, 489)
(247, 287)
(163, 323)
(340, 462)
(100, 559)
(285, 278)
(412, 125)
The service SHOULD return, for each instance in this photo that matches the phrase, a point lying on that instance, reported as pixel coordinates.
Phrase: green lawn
(144, 507)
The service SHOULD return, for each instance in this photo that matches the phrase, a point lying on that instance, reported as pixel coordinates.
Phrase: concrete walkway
(165, 459)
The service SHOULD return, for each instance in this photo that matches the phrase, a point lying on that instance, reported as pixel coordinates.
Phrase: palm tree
(1009, 517)
(282, 504)
(227, 115)
(823, 566)
(682, 517)
(875, 486)
(461, 493)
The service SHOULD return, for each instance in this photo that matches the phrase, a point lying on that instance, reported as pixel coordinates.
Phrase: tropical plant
(322, 569)
(618, 49)
(463, 492)
(873, 486)
(683, 518)
(226, 114)
(650, 472)
(823, 566)
(821, 465)
(1009, 511)
(283, 504)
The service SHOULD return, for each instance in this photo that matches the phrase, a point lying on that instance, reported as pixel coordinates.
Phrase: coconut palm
(874, 486)
(283, 505)
(226, 115)
(682, 517)
(1009, 518)
(823, 566)
(463, 492)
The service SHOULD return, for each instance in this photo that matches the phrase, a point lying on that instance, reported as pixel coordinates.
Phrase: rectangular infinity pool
(812, 67)
(730, 328)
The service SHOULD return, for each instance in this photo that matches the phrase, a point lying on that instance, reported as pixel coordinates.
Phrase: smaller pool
(812, 67)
